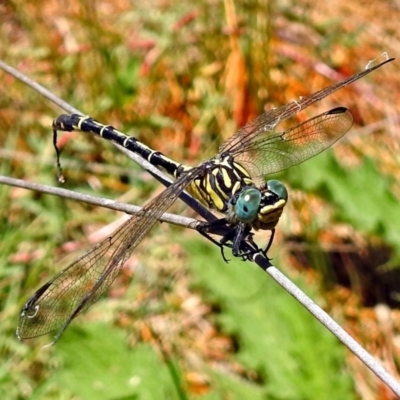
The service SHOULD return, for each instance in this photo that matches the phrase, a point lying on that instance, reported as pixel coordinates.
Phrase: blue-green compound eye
(247, 205)
(278, 188)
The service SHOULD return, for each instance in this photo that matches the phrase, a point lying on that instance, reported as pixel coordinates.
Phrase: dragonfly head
(261, 207)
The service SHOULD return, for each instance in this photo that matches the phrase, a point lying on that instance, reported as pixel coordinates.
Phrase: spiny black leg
(240, 232)
(218, 227)
(60, 175)
(271, 239)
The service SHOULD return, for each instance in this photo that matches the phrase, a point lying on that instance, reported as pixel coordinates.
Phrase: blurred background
(179, 323)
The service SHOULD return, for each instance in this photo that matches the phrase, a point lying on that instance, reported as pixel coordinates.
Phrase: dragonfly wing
(272, 154)
(81, 284)
(260, 126)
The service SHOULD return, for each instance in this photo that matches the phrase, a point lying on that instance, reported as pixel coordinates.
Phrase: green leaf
(99, 365)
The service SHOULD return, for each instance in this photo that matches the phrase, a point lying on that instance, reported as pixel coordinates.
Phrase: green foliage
(361, 196)
(98, 364)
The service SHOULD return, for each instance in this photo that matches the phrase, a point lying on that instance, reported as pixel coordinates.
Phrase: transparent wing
(320, 129)
(271, 154)
(81, 284)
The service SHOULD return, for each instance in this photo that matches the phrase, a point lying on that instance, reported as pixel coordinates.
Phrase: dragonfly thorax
(222, 180)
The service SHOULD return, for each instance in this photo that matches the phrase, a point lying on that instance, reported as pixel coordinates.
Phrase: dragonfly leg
(239, 238)
(218, 227)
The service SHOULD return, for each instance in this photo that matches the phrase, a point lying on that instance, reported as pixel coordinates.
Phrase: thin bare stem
(94, 200)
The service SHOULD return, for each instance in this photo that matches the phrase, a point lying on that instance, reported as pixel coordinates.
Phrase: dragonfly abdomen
(87, 124)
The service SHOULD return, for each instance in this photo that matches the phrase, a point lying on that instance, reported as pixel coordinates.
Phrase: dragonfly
(231, 183)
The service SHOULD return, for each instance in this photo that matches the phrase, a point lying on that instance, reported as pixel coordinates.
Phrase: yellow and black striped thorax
(223, 178)
(224, 181)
